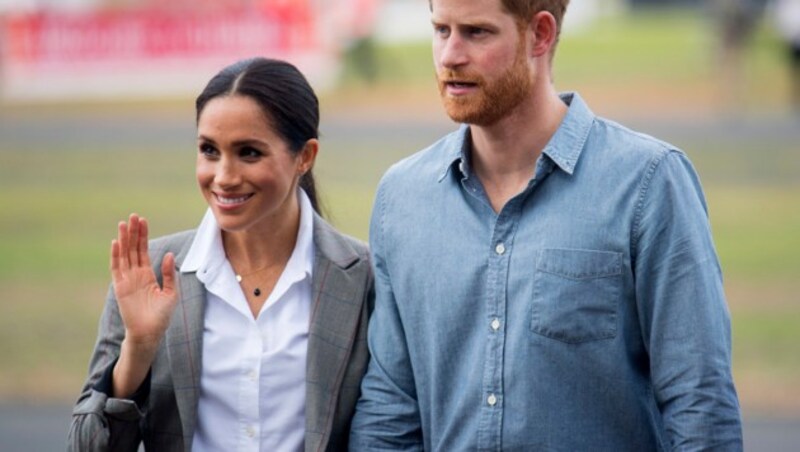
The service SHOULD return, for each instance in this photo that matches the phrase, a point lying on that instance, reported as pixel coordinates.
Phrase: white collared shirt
(252, 382)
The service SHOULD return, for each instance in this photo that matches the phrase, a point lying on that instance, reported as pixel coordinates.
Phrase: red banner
(114, 53)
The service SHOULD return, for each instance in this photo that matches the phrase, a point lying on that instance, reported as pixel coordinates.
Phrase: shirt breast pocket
(576, 294)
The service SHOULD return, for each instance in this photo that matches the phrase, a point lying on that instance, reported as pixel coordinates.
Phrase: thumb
(168, 273)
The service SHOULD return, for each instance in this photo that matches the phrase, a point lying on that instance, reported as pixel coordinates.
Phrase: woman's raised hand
(145, 306)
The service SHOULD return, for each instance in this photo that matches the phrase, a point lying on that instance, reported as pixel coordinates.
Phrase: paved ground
(44, 428)
(115, 131)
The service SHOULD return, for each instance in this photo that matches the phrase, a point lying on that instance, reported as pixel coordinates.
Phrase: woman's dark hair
(283, 94)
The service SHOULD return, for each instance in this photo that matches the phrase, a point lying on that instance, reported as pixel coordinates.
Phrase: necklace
(240, 277)
(256, 291)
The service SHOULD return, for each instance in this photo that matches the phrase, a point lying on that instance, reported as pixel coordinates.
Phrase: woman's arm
(132, 325)
(145, 307)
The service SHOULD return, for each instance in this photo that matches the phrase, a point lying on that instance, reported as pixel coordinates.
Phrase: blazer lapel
(338, 294)
(184, 347)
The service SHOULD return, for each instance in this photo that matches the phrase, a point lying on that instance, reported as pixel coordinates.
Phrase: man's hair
(523, 10)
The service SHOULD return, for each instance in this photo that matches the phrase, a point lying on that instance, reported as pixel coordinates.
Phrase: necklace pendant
(257, 292)
(238, 278)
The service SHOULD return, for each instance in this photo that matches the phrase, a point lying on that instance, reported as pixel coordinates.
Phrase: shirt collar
(301, 263)
(457, 150)
(207, 253)
(564, 147)
(206, 250)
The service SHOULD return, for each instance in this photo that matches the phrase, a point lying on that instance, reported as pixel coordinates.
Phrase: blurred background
(97, 121)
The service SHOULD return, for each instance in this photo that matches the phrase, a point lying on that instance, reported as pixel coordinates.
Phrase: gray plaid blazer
(343, 296)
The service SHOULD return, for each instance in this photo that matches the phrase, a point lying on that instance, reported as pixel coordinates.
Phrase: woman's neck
(267, 245)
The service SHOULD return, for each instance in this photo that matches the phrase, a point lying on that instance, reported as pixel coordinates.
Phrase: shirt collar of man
(564, 148)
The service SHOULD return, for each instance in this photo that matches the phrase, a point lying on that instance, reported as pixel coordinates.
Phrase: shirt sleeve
(387, 413)
(684, 318)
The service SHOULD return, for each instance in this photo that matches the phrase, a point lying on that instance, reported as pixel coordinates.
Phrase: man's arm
(684, 319)
(387, 414)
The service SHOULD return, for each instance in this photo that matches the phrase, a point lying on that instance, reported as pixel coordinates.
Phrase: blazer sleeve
(100, 422)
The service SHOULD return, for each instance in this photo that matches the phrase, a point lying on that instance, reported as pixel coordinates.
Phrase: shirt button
(253, 375)
(496, 324)
(500, 248)
(251, 432)
(491, 400)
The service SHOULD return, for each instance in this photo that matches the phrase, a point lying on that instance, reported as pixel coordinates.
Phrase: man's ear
(543, 30)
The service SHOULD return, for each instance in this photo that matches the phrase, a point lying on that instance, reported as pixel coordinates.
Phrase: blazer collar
(332, 246)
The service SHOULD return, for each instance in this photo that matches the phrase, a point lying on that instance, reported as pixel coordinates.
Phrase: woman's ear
(307, 156)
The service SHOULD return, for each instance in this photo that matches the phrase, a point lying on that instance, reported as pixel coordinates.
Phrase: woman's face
(245, 170)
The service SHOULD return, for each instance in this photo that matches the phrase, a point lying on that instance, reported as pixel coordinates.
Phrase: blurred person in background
(736, 22)
(545, 279)
(787, 19)
(359, 43)
(250, 331)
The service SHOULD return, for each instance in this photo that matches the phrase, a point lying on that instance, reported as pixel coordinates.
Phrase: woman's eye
(250, 153)
(208, 150)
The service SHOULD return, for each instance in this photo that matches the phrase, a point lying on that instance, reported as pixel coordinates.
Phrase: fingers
(130, 248)
(133, 244)
(144, 255)
(116, 274)
(168, 273)
(123, 263)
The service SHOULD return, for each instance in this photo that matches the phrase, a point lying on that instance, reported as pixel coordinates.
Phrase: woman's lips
(229, 202)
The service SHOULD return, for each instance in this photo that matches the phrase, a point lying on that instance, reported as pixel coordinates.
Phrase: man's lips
(457, 87)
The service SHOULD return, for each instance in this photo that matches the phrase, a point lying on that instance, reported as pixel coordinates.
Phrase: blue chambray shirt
(588, 314)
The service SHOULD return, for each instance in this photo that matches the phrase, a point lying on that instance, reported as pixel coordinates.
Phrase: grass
(59, 205)
(757, 231)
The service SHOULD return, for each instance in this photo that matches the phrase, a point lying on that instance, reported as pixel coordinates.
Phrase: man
(545, 279)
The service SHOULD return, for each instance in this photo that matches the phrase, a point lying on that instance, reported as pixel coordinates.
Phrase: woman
(248, 333)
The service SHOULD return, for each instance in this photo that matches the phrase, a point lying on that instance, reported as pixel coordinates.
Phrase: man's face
(481, 60)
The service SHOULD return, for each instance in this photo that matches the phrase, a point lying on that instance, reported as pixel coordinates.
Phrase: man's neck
(504, 154)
